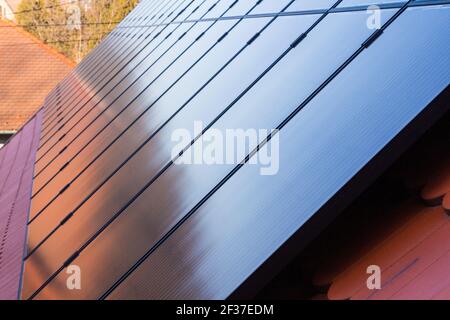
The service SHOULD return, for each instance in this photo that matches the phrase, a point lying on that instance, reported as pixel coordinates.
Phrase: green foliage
(51, 21)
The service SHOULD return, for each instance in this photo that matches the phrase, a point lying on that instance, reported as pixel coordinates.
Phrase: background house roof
(29, 69)
(14, 4)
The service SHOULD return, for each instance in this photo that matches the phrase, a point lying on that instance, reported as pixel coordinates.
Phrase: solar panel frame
(306, 234)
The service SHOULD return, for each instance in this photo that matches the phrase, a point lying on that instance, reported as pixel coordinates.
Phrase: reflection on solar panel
(108, 194)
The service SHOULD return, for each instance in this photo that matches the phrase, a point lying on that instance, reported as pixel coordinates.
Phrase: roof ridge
(44, 46)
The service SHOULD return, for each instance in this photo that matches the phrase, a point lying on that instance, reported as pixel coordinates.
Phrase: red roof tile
(389, 253)
(412, 245)
(438, 185)
(29, 70)
(443, 294)
(16, 172)
(402, 275)
(431, 280)
(446, 203)
(351, 251)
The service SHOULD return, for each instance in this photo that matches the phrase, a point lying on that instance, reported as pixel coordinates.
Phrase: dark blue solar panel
(131, 81)
(323, 147)
(351, 35)
(75, 107)
(140, 131)
(107, 196)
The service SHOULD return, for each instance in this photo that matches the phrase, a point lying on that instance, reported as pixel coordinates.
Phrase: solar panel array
(108, 195)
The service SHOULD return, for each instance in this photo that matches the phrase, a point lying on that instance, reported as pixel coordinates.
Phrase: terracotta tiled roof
(16, 172)
(401, 224)
(410, 241)
(29, 70)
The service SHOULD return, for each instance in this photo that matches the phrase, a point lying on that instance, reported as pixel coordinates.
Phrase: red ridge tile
(388, 251)
(399, 280)
(430, 283)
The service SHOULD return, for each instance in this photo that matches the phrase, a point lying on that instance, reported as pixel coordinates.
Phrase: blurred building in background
(29, 69)
(8, 8)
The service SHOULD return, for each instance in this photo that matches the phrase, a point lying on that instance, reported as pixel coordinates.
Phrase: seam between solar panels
(123, 22)
(143, 73)
(68, 81)
(76, 253)
(85, 100)
(148, 139)
(132, 100)
(70, 214)
(347, 9)
(106, 41)
(104, 62)
(247, 158)
(46, 130)
(92, 72)
(73, 103)
(142, 6)
(124, 90)
(74, 89)
(165, 92)
(147, 8)
(355, 8)
(68, 162)
(102, 111)
(115, 67)
(106, 47)
(337, 10)
(318, 11)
